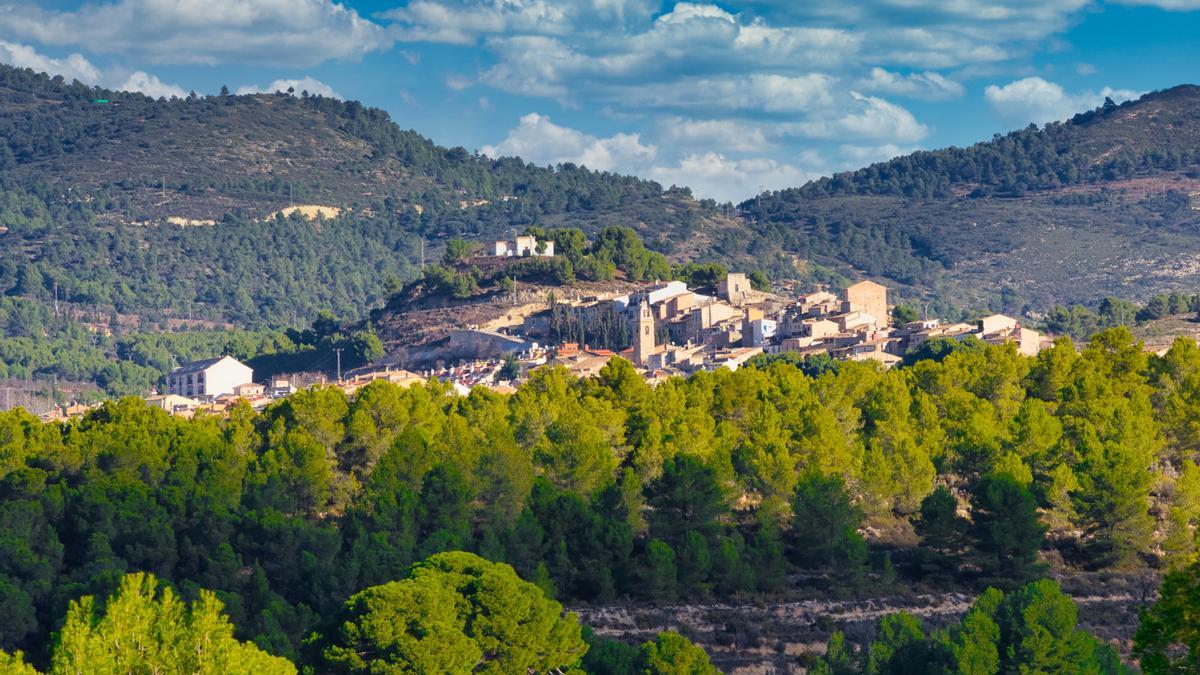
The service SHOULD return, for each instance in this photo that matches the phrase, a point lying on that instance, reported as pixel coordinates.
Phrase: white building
(523, 246)
(761, 330)
(209, 378)
(665, 291)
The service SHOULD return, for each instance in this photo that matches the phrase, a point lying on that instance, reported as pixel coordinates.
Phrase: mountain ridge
(95, 184)
(96, 187)
(1101, 204)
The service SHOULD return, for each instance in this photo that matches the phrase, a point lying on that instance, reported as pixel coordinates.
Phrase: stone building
(643, 336)
(734, 288)
(868, 297)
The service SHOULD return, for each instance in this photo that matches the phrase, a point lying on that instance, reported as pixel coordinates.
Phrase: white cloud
(1170, 5)
(1034, 99)
(687, 11)
(532, 65)
(869, 117)
(703, 61)
(857, 156)
(709, 156)
(464, 22)
(728, 135)
(1085, 69)
(927, 85)
(551, 46)
(536, 139)
(73, 67)
(934, 34)
(779, 46)
(931, 47)
(150, 85)
(306, 83)
(715, 176)
(756, 92)
(293, 32)
(459, 82)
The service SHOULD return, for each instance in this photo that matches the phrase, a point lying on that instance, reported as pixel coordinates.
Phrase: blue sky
(727, 98)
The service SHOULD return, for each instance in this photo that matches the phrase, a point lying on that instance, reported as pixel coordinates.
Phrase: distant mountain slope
(118, 203)
(1105, 203)
(164, 208)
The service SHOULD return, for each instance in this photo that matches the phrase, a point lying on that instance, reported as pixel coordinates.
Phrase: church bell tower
(643, 338)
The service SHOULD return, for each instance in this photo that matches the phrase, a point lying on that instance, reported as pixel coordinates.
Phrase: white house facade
(209, 378)
(524, 246)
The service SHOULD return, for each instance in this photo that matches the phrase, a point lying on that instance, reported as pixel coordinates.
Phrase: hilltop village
(669, 328)
(677, 330)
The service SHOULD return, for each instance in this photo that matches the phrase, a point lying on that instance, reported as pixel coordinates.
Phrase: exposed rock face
(775, 638)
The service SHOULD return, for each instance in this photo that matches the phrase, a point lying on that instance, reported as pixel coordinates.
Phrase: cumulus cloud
(709, 174)
(623, 37)
(984, 21)
(761, 92)
(686, 11)
(926, 85)
(536, 139)
(551, 44)
(1034, 99)
(729, 135)
(868, 117)
(150, 85)
(306, 83)
(731, 80)
(298, 32)
(533, 65)
(716, 176)
(73, 67)
(466, 21)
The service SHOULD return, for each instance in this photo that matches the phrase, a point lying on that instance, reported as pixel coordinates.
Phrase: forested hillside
(605, 488)
(170, 208)
(1040, 216)
(122, 203)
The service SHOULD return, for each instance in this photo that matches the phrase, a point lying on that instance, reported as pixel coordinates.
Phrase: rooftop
(198, 366)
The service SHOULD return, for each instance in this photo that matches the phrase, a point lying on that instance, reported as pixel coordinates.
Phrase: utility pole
(338, 351)
(56, 300)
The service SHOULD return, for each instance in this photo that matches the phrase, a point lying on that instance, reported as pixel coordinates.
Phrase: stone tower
(869, 297)
(643, 337)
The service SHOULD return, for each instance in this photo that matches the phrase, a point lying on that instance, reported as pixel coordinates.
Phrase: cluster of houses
(677, 331)
(213, 385)
(855, 325)
(672, 330)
